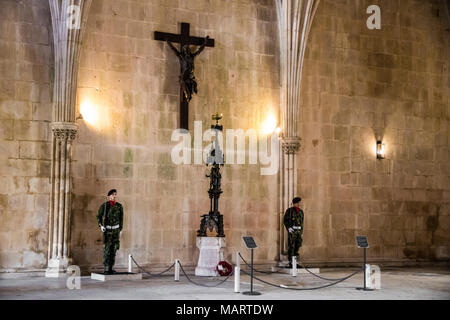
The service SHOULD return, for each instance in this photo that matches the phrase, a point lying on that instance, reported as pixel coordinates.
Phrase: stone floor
(396, 283)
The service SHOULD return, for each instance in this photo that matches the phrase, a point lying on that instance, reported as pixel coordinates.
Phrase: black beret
(296, 200)
(110, 192)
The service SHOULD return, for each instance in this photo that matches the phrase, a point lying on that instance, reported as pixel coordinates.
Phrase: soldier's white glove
(103, 228)
(291, 230)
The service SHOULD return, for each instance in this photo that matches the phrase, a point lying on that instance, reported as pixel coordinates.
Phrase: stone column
(294, 22)
(59, 218)
(288, 185)
(68, 22)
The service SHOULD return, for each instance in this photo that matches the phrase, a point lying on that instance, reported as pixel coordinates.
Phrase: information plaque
(362, 241)
(250, 242)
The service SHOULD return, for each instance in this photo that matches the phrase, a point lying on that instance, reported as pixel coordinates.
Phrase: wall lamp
(381, 150)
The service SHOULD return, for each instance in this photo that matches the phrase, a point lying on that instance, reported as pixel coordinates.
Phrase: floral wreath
(224, 268)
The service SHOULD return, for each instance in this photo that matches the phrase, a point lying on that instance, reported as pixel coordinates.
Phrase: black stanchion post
(250, 243)
(363, 243)
(251, 273)
(364, 268)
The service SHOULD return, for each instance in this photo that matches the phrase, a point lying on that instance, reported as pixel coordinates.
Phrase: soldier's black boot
(110, 270)
(106, 270)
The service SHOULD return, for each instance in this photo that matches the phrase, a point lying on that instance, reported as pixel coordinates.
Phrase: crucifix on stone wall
(188, 84)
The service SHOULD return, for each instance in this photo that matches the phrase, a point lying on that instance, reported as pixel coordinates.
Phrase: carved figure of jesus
(186, 59)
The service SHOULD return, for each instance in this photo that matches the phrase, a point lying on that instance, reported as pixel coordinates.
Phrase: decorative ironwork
(214, 220)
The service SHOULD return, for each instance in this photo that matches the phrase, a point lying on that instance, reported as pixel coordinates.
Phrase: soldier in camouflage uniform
(110, 221)
(293, 221)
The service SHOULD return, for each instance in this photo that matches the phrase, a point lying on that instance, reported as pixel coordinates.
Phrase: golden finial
(217, 117)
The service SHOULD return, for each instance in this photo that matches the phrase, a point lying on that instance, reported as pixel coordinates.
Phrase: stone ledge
(116, 276)
(22, 274)
(350, 263)
(299, 270)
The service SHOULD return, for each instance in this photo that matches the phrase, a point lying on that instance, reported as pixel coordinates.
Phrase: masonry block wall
(361, 84)
(358, 85)
(25, 112)
(131, 81)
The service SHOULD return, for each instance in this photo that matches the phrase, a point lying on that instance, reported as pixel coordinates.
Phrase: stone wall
(25, 112)
(360, 84)
(130, 82)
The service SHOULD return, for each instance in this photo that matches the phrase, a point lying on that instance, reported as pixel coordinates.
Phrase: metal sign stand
(250, 243)
(362, 242)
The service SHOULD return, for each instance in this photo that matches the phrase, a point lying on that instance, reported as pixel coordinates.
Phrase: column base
(57, 268)
(284, 261)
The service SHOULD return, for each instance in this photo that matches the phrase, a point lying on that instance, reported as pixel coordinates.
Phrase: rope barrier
(204, 285)
(266, 272)
(150, 274)
(261, 280)
(299, 289)
(316, 275)
(285, 287)
(320, 277)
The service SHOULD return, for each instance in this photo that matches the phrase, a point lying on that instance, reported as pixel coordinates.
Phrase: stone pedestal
(211, 252)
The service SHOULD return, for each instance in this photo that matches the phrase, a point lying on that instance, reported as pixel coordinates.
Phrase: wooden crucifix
(188, 85)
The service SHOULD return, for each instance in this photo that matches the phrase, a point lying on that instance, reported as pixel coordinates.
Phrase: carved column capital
(290, 145)
(64, 130)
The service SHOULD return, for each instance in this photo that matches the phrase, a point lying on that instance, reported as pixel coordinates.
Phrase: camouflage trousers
(294, 244)
(111, 240)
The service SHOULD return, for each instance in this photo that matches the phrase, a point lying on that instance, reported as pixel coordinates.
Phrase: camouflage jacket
(110, 215)
(293, 219)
